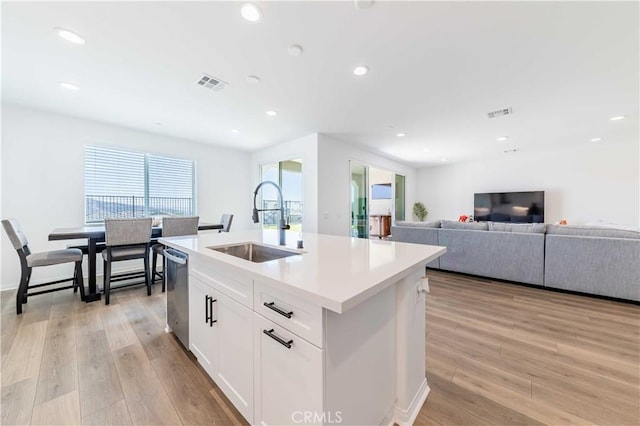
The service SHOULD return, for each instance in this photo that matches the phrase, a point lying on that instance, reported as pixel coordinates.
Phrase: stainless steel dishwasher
(177, 276)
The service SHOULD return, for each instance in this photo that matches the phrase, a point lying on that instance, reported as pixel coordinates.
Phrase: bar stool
(226, 222)
(126, 239)
(29, 260)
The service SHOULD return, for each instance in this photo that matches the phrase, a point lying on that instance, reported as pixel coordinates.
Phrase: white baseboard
(408, 417)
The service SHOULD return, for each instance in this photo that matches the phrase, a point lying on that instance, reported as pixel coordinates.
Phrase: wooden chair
(172, 227)
(126, 239)
(29, 260)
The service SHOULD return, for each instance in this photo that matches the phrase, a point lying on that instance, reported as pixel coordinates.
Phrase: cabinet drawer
(292, 313)
(221, 277)
(288, 376)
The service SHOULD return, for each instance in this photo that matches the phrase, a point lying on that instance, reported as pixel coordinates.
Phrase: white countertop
(334, 272)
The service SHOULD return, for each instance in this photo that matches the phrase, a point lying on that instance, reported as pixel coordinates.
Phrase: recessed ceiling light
(253, 79)
(425, 149)
(251, 12)
(401, 135)
(618, 117)
(271, 113)
(360, 70)
(363, 4)
(70, 36)
(596, 139)
(236, 131)
(295, 50)
(502, 138)
(443, 159)
(68, 86)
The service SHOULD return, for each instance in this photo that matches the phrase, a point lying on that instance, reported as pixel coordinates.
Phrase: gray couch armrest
(417, 235)
(595, 265)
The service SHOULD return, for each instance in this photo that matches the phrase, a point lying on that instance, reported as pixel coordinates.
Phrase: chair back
(14, 231)
(226, 222)
(120, 232)
(177, 226)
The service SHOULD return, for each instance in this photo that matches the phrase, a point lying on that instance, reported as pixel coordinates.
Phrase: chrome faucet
(283, 226)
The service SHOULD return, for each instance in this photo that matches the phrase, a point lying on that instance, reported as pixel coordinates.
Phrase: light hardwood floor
(497, 354)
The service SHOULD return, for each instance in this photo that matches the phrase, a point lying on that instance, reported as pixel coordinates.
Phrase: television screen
(518, 207)
(381, 191)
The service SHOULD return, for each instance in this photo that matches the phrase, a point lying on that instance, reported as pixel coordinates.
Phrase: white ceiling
(436, 70)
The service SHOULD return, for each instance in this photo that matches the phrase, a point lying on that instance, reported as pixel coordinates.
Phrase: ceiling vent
(500, 112)
(212, 83)
(511, 151)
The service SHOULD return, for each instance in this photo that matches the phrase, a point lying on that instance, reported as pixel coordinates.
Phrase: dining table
(96, 234)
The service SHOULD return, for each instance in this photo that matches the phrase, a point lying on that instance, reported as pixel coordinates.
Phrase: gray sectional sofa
(599, 261)
(593, 260)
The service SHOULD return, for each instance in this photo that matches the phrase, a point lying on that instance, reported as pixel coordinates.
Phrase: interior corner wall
(589, 183)
(305, 148)
(43, 178)
(334, 178)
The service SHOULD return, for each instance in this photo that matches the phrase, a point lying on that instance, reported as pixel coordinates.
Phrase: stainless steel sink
(253, 252)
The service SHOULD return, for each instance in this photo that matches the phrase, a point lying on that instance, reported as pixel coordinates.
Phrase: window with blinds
(123, 184)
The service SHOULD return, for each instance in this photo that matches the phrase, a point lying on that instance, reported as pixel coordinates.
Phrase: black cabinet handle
(273, 307)
(207, 305)
(211, 320)
(278, 339)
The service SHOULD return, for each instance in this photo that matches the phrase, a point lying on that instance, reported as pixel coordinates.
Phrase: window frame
(146, 197)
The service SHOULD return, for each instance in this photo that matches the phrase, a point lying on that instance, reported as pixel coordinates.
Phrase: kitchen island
(331, 333)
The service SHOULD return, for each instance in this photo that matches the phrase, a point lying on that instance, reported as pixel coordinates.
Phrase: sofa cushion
(477, 226)
(434, 224)
(589, 231)
(536, 228)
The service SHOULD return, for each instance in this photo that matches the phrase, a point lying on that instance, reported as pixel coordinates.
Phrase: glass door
(399, 198)
(359, 200)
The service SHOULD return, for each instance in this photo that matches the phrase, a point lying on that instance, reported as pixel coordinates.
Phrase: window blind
(121, 184)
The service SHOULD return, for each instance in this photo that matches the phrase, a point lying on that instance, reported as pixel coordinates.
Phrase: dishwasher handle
(175, 256)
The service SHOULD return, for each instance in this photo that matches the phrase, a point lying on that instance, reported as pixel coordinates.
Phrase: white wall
(583, 184)
(334, 179)
(43, 178)
(305, 148)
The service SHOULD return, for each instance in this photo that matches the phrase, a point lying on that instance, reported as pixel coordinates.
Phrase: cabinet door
(203, 333)
(289, 372)
(235, 353)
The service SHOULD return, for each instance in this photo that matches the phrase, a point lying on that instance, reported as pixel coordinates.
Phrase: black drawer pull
(211, 302)
(278, 339)
(273, 307)
(207, 305)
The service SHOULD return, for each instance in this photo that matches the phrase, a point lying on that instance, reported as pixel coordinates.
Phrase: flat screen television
(381, 191)
(517, 207)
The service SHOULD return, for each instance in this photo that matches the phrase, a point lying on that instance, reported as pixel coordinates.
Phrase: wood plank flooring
(65, 362)
(504, 354)
(497, 354)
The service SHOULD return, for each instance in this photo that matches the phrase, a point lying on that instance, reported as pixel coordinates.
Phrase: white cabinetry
(203, 336)
(221, 337)
(288, 376)
(235, 354)
(281, 358)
